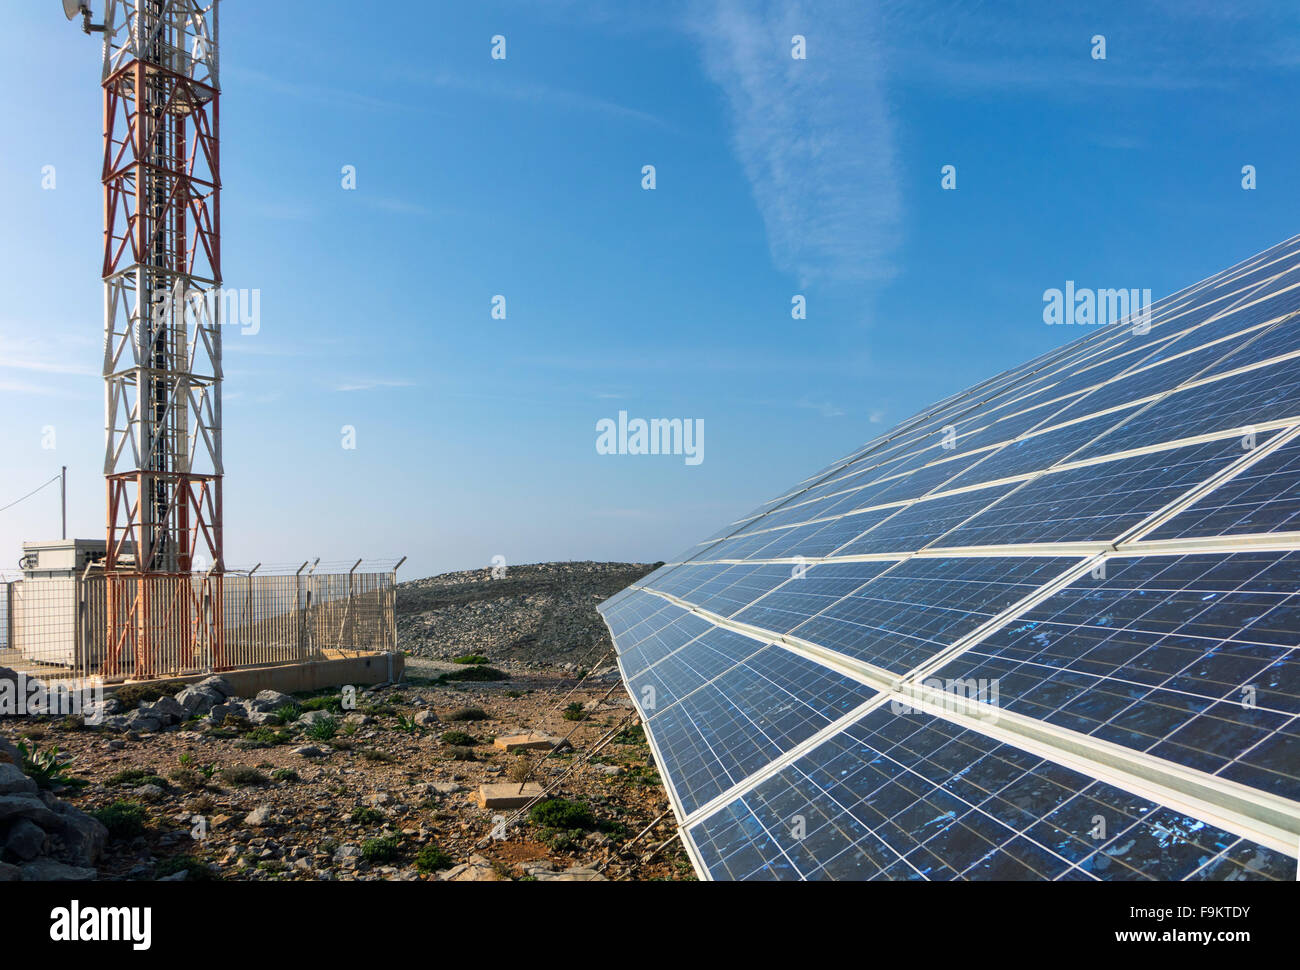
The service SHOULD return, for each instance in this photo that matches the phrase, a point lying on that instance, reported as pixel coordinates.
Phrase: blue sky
(522, 177)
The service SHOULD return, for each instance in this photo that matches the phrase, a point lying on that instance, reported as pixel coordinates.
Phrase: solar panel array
(1046, 629)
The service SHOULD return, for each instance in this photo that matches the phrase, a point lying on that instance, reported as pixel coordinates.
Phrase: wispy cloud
(814, 136)
(368, 384)
(825, 408)
(534, 92)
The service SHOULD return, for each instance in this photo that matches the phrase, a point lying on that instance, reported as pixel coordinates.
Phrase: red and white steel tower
(162, 332)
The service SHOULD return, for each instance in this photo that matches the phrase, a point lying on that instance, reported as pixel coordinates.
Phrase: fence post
(390, 613)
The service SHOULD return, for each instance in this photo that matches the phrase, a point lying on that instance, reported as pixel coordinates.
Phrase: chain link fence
(57, 628)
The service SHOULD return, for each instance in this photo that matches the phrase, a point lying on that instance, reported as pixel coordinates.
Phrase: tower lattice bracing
(162, 332)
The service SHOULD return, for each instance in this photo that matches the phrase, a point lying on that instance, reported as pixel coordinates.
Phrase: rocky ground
(543, 614)
(193, 784)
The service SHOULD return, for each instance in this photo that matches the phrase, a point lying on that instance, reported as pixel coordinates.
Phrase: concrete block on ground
(508, 795)
(524, 742)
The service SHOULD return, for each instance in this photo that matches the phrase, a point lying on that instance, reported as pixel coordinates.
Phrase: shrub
(242, 775)
(135, 777)
(432, 858)
(468, 714)
(188, 779)
(375, 754)
(458, 738)
(470, 658)
(131, 695)
(331, 702)
(380, 850)
(323, 730)
(123, 819)
(195, 871)
(262, 737)
(461, 754)
(575, 712)
(560, 813)
(288, 713)
(474, 674)
(285, 774)
(362, 815)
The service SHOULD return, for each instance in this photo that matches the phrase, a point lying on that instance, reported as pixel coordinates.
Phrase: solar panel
(1047, 629)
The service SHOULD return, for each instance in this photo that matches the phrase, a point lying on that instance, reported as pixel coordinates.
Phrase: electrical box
(44, 605)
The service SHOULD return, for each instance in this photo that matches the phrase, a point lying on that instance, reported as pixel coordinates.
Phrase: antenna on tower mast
(73, 8)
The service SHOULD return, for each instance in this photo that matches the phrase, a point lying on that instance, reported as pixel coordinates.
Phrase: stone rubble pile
(43, 838)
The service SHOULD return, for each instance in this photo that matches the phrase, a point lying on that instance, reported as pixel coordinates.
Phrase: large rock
(9, 873)
(25, 841)
(47, 870)
(29, 807)
(219, 713)
(270, 701)
(198, 701)
(8, 753)
(166, 709)
(143, 722)
(14, 782)
(218, 685)
(84, 836)
(312, 717)
(478, 869)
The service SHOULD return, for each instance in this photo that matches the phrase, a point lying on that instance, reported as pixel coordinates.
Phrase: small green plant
(195, 871)
(323, 730)
(468, 714)
(135, 777)
(458, 738)
(186, 759)
(432, 858)
(288, 713)
(575, 712)
(473, 674)
(362, 815)
(476, 659)
(285, 774)
(123, 819)
(49, 769)
(243, 776)
(188, 779)
(131, 695)
(330, 702)
(560, 813)
(380, 850)
(262, 737)
(405, 723)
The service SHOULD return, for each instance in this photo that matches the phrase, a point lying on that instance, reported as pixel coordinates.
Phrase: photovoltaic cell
(734, 725)
(1264, 498)
(1189, 658)
(922, 606)
(908, 796)
(1096, 502)
(1174, 641)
